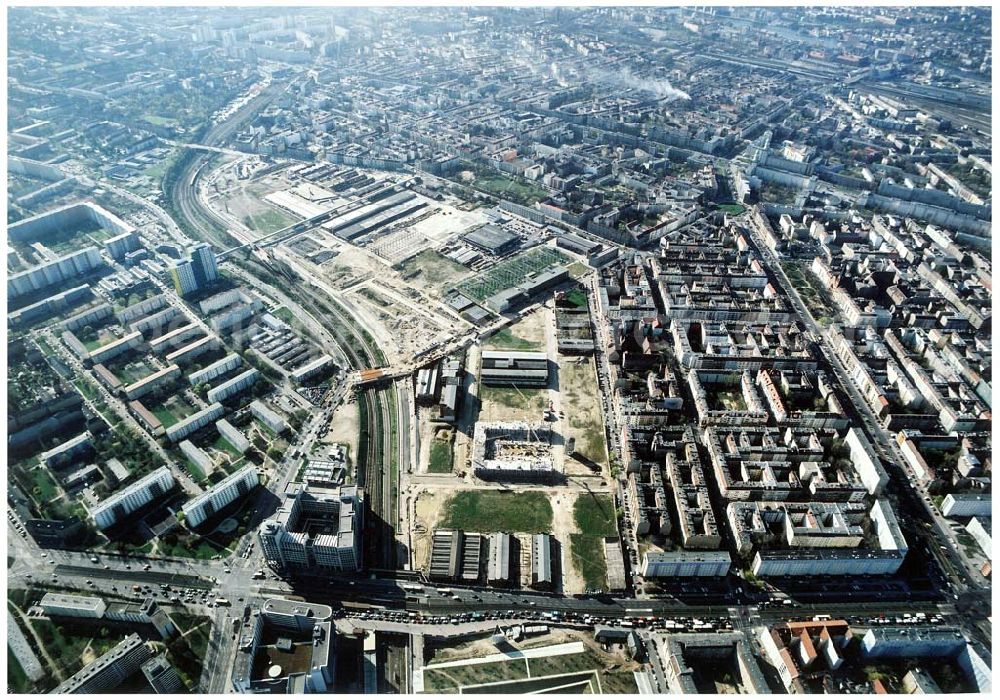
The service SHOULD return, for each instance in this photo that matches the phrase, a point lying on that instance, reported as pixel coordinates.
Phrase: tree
(873, 674)
(297, 419)
(839, 449)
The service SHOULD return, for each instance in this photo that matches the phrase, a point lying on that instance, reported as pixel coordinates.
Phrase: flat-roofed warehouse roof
(282, 606)
(63, 600)
(446, 548)
(492, 239)
(514, 355)
(502, 367)
(541, 558)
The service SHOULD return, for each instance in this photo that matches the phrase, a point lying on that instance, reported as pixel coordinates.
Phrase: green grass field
(814, 296)
(46, 485)
(526, 399)
(173, 411)
(86, 389)
(734, 209)
(506, 339)
(157, 170)
(74, 238)
(65, 648)
(588, 559)
(451, 679)
(159, 121)
(165, 415)
(577, 298)
(587, 672)
(198, 639)
(732, 400)
(269, 220)
(567, 663)
(577, 270)
(578, 384)
(495, 511)
(187, 652)
(194, 470)
(286, 315)
(594, 514)
(94, 343)
(223, 445)
(440, 459)
(515, 190)
(583, 683)
(193, 548)
(129, 373)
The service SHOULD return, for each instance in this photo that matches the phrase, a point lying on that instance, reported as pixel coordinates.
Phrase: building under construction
(513, 452)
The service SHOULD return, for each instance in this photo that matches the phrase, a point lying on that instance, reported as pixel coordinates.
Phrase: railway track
(380, 455)
(182, 190)
(380, 428)
(376, 447)
(379, 406)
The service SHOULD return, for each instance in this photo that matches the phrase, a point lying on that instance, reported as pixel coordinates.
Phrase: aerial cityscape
(499, 350)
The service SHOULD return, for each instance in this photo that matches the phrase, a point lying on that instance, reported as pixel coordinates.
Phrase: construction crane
(521, 394)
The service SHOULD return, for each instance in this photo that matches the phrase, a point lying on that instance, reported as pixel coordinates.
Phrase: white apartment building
(236, 485)
(130, 499)
(216, 369)
(233, 386)
(59, 604)
(684, 564)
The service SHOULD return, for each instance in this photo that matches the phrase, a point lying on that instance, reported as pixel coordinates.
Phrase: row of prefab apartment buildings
(165, 330)
(278, 624)
(336, 546)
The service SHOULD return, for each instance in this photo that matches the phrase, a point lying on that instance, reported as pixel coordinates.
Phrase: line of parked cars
(678, 624)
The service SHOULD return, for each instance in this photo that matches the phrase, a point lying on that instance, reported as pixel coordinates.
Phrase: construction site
(368, 224)
(526, 455)
(513, 452)
(498, 424)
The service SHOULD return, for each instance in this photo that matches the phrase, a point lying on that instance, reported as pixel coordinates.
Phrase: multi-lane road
(199, 582)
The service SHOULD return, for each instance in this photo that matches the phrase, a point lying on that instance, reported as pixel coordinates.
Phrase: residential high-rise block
(206, 270)
(183, 277)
